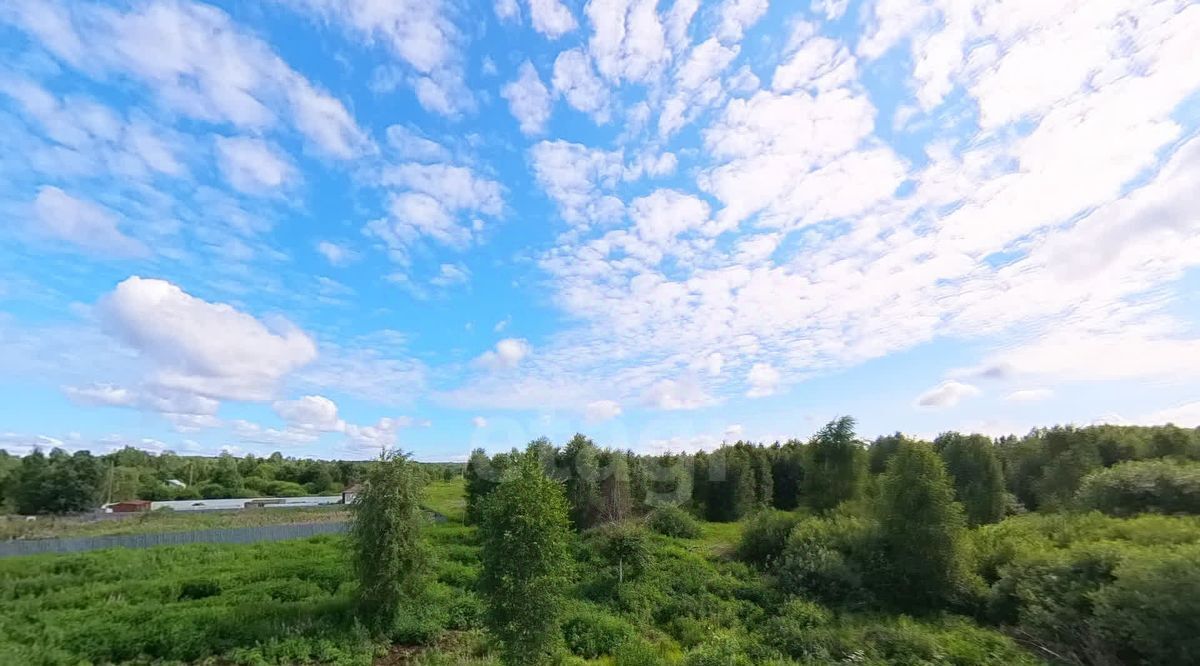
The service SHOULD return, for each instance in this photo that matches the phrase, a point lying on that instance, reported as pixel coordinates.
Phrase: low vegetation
(1078, 546)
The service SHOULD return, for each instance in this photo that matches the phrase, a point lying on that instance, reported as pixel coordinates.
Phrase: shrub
(625, 547)
(722, 650)
(791, 631)
(1157, 486)
(1151, 612)
(765, 537)
(387, 551)
(673, 521)
(590, 632)
(526, 560)
(199, 589)
(636, 652)
(826, 559)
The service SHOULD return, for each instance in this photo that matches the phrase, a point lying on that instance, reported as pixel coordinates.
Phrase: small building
(129, 506)
(262, 503)
(349, 494)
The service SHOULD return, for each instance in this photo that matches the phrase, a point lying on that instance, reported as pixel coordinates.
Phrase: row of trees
(59, 482)
(990, 478)
(526, 550)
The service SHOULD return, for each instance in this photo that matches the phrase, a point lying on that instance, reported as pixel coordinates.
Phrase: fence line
(226, 535)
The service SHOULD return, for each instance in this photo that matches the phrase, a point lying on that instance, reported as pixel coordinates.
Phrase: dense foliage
(58, 482)
(526, 566)
(388, 553)
(961, 551)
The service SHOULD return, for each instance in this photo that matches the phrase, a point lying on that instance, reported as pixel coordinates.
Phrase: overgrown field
(721, 593)
(292, 602)
(165, 521)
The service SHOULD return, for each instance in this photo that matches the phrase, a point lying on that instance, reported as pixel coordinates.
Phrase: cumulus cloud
(310, 412)
(947, 394)
(1029, 395)
(507, 354)
(762, 380)
(576, 81)
(682, 394)
(479, 422)
(182, 52)
(551, 18)
(84, 224)
(528, 99)
(253, 166)
(209, 349)
(601, 410)
(337, 254)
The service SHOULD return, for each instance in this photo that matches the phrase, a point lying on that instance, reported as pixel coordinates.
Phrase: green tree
(389, 557)
(481, 481)
(625, 547)
(833, 469)
(580, 462)
(881, 451)
(730, 486)
(1170, 441)
(615, 488)
(977, 475)
(922, 531)
(787, 472)
(526, 558)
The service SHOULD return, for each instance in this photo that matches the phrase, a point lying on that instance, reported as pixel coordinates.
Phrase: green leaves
(388, 553)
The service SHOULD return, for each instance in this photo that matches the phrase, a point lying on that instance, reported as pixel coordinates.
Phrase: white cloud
(432, 203)
(450, 275)
(337, 254)
(196, 61)
(573, 175)
(419, 32)
(1029, 395)
(737, 16)
(508, 354)
(252, 166)
(409, 144)
(479, 422)
(734, 432)
(763, 380)
(577, 82)
(209, 349)
(601, 410)
(83, 223)
(502, 324)
(528, 100)
(310, 412)
(683, 394)
(697, 85)
(947, 394)
(627, 42)
(507, 10)
(830, 9)
(551, 18)
(1186, 415)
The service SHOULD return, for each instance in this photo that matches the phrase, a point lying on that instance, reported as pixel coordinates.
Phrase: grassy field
(293, 603)
(165, 521)
(277, 603)
(447, 498)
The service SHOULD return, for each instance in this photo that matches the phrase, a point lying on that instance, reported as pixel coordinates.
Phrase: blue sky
(329, 226)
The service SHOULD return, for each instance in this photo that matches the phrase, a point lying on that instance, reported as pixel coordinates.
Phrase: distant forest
(1045, 469)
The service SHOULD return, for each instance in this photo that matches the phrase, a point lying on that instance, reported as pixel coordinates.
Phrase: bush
(199, 589)
(1157, 486)
(722, 650)
(791, 631)
(1151, 612)
(590, 632)
(827, 559)
(673, 521)
(765, 537)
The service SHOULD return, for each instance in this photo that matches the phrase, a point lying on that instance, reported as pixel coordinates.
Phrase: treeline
(992, 478)
(59, 482)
